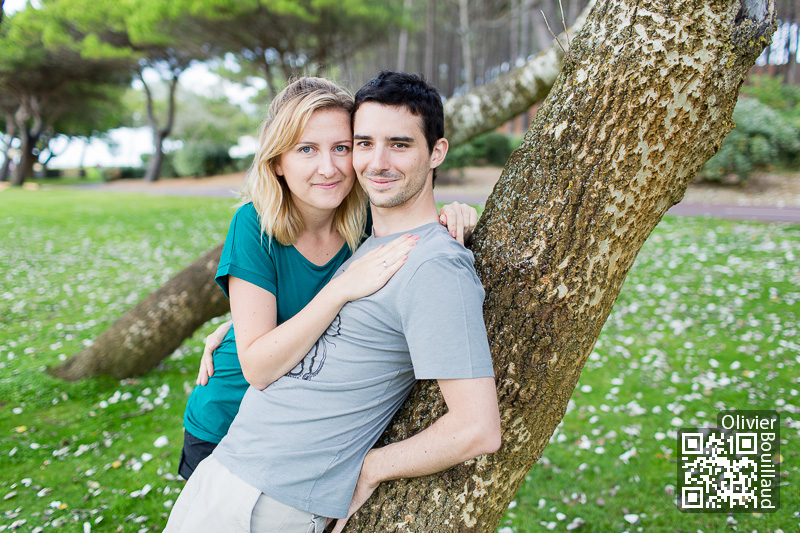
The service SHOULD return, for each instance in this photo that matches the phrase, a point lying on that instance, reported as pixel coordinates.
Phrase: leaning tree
(644, 98)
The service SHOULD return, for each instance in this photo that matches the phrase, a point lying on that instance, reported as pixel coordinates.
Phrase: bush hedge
(202, 158)
(489, 149)
(762, 139)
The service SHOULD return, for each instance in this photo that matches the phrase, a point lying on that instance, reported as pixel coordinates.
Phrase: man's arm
(470, 427)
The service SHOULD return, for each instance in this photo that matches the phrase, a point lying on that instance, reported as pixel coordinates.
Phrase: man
(300, 450)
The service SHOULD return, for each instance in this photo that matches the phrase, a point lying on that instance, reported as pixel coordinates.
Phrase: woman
(301, 217)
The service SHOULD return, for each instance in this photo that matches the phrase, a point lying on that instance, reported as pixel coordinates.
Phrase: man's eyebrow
(362, 137)
(402, 139)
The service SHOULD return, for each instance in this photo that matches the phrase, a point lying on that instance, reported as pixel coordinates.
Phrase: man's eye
(364, 144)
(400, 145)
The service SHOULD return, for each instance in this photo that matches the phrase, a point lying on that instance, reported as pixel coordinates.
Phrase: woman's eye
(305, 149)
(342, 149)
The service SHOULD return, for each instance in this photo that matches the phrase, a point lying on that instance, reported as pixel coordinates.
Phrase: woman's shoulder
(247, 210)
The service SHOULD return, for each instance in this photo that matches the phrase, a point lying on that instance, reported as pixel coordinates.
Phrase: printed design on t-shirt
(312, 364)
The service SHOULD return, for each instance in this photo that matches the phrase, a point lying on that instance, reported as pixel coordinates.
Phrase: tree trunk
(159, 134)
(465, 116)
(5, 169)
(27, 158)
(430, 31)
(638, 108)
(466, 47)
(157, 159)
(138, 341)
(402, 43)
(513, 31)
(11, 132)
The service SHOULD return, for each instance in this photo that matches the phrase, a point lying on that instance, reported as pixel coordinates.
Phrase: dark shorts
(194, 450)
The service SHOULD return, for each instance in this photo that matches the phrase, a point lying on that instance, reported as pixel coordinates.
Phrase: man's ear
(439, 152)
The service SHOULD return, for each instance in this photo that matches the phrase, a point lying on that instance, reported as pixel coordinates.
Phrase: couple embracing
(327, 346)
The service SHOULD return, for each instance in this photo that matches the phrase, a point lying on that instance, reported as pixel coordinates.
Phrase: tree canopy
(49, 86)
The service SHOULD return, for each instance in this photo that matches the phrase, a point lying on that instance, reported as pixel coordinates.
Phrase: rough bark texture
(138, 341)
(488, 106)
(644, 99)
(168, 339)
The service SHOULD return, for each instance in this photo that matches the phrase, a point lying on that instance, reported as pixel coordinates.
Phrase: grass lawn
(708, 319)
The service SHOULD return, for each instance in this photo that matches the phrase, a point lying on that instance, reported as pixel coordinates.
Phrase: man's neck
(415, 212)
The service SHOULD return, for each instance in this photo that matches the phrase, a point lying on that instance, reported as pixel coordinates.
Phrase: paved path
(740, 212)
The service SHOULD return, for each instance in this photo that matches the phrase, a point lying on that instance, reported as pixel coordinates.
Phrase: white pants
(216, 501)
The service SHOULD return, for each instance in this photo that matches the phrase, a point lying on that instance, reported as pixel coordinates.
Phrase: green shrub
(774, 92)
(489, 149)
(123, 173)
(241, 163)
(762, 139)
(201, 158)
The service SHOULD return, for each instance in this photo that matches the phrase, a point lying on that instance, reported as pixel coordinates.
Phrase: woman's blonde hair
(287, 117)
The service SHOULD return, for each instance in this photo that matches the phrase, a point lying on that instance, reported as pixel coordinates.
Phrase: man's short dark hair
(412, 92)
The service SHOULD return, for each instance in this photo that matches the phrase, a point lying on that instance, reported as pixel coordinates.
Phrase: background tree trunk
(138, 341)
(465, 116)
(639, 106)
(27, 158)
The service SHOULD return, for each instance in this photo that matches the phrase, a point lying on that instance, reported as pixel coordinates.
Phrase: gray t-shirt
(302, 440)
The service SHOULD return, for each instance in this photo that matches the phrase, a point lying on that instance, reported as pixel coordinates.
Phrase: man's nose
(378, 160)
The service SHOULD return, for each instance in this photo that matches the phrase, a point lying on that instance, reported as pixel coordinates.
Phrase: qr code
(727, 469)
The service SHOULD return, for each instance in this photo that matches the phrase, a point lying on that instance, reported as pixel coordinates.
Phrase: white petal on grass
(586, 388)
(141, 493)
(161, 441)
(626, 457)
(632, 518)
(576, 523)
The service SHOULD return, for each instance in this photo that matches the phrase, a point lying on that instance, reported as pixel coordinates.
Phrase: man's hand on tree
(364, 489)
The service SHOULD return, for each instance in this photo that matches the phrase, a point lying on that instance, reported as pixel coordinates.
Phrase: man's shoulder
(439, 258)
(435, 243)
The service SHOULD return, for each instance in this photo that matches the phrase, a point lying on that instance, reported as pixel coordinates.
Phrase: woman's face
(319, 168)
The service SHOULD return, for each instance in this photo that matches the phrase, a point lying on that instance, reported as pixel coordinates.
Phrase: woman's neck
(320, 240)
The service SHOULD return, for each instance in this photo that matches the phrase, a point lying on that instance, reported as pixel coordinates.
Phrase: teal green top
(281, 270)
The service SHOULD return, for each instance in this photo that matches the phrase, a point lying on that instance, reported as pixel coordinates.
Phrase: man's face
(390, 154)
